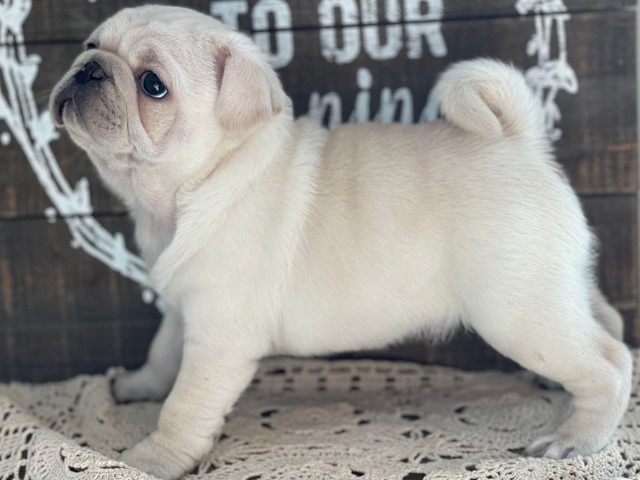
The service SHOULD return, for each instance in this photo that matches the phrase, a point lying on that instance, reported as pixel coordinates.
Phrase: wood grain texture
(614, 221)
(598, 148)
(73, 20)
(62, 312)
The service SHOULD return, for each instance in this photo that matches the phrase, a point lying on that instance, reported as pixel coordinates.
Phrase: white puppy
(270, 236)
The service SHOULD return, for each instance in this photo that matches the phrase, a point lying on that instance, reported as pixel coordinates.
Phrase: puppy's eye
(152, 86)
(91, 46)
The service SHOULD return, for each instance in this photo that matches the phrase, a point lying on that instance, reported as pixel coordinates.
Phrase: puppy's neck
(159, 199)
(239, 161)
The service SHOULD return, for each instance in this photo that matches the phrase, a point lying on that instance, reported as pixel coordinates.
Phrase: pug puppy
(270, 236)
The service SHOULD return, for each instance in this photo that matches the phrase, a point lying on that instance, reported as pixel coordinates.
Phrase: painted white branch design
(551, 75)
(34, 131)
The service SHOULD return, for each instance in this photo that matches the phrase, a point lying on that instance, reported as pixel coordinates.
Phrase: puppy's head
(164, 84)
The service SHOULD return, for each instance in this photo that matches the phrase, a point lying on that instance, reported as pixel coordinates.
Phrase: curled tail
(491, 99)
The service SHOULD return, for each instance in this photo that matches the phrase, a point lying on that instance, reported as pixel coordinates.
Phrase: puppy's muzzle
(91, 72)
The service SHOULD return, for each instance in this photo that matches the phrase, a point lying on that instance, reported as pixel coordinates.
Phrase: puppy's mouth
(60, 116)
(65, 114)
(61, 102)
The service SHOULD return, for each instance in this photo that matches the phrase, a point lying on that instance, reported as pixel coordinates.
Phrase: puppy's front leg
(212, 377)
(154, 379)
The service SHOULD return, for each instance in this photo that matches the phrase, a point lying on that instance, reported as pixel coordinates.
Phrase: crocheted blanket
(320, 420)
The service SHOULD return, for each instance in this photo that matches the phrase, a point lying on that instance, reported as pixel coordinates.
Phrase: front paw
(139, 385)
(160, 457)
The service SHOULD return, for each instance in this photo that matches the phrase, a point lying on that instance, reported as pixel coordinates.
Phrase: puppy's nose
(91, 71)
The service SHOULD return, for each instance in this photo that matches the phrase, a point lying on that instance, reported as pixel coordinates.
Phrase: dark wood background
(62, 312)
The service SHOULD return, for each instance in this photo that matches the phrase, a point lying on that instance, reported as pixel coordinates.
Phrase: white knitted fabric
(319, 420)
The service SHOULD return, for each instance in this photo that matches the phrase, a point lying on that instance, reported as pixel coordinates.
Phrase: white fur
(282, 238)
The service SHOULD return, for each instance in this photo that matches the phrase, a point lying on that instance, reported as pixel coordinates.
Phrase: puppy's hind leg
(556, 335)
(154, 379)
(606, 315)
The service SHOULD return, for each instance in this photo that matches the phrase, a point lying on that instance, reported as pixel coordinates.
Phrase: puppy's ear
(248, 93)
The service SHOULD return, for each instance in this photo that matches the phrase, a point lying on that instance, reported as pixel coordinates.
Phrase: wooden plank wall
(63, 312)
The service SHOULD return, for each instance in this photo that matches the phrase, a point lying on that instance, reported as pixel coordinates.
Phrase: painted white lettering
(283, 52)
(391, 101)
(350, 48)
(431, 109)
(372, 42)
(428, 28)
(229, 12)
(360, 113)
(320, 105)
(395, 105)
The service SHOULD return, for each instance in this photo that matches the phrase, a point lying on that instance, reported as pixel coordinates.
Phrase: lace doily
(320, 420)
